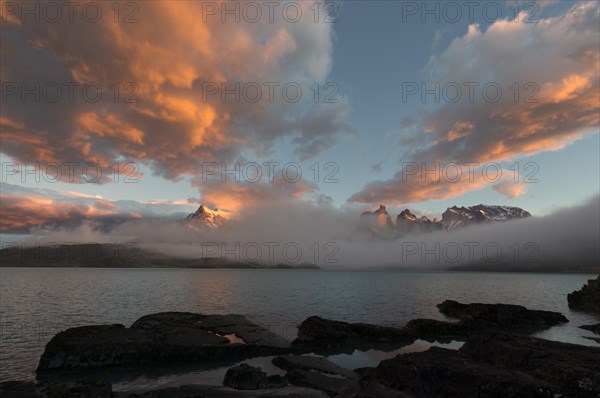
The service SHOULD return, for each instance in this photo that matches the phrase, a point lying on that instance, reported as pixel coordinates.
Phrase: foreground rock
(330, 385)
(317, 373)
(197, 391)
(335, 381)
(488, 365)
(593, 328)
(478, 318)
(514, 318)
(165, 338)
(245, 377)
(495, 366)
(77, 389)
(101, 389)
(319, 332)
(312, 363)
(472, 319)
(588, 298)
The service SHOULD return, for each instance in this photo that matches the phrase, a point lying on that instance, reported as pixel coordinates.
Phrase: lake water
(36, 303)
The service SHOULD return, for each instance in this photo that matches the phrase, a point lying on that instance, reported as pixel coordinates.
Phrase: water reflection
(371, 358)
(36, 303)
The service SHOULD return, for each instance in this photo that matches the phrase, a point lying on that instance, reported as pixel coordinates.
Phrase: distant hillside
(117, 256)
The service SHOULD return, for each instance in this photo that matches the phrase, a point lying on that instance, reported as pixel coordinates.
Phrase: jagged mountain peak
(381, 210)
(377, 222)
(205, 217)
(454, 217)
(406, 214)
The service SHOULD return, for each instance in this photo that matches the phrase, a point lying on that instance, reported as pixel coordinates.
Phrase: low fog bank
(566, 240)
(302, 233)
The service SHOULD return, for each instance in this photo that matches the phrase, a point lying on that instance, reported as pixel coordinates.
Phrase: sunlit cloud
(165, 118)
(24, 210)
(511, 189)
(549, 74)
(233, 196)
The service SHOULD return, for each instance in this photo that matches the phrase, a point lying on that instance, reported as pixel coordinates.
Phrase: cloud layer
(549, 76)
(176, 55)
(26, 210)
(304, 233)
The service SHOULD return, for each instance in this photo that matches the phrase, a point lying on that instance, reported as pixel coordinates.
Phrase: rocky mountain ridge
(379, 222)
(205, 218)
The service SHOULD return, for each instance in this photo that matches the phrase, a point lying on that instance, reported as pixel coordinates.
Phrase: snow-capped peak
(205, 218)
(460, 216)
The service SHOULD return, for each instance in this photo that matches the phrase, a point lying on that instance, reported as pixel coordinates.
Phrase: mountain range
(379, 222)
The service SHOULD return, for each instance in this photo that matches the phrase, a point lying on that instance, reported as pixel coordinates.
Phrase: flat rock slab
(193, 391)
(319, 332)
(597, 340)
(593, 328)
(77, 389)
(439, 372)
(478, 318)
(424, 328)
(312, 363)
(472, 319)
(501, 316)
(245, 377)
(332, 386)
(100, 389)
(248, 331)
(570, 367)
(495, 366)
(165, 338)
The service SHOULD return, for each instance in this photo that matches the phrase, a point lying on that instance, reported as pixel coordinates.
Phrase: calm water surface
(36, 303)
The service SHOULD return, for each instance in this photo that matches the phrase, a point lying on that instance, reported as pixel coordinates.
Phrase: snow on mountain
(408, 223)
(205, 218)
(454, 217)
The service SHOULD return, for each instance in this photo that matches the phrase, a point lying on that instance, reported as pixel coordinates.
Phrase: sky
(379, 120)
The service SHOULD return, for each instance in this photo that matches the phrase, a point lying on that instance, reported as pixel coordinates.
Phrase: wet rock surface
(332, 386)
(593, 328)
(472, 319)
(101, 389)
(478, 318)
(335, 381)
(76, 389)
(312, 363)
(18, 389)
(489, 364)
(587, 298)
(496, 366)
(427, 328)
(245, 377)
(319, 332)
(198, 391)
(317, 373)
(499, 317)
(172, 337)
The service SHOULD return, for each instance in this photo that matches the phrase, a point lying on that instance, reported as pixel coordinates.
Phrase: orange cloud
(428, 182)
(232, 196)
(570, 87)
(20, 213)
(511, 189)
(159, 111)
(24, 210)
(541, 108)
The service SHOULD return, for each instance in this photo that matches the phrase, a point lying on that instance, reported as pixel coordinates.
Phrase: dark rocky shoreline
(498, 358)
(588, 298)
